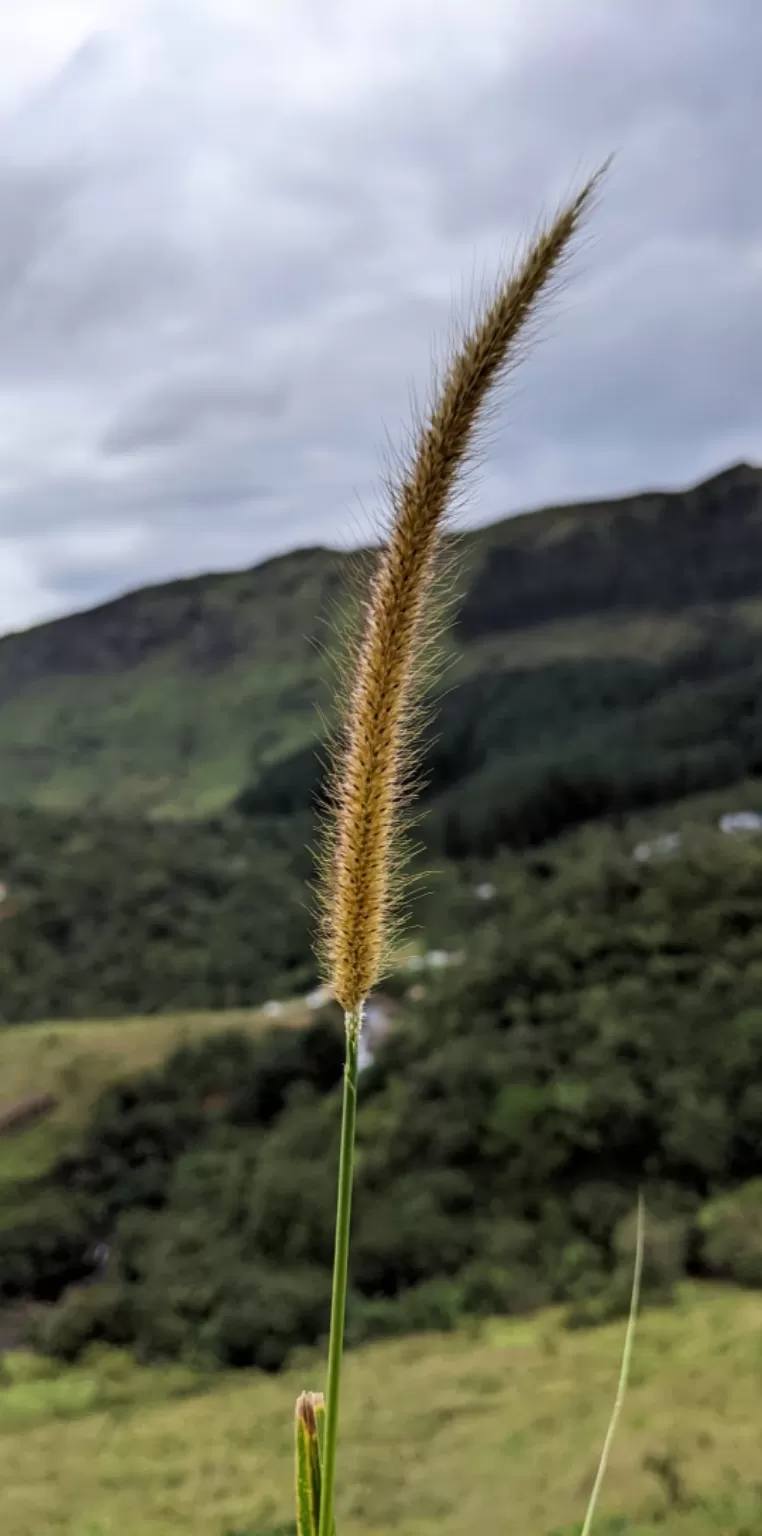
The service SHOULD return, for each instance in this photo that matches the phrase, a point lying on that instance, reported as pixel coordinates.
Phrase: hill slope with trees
(602, 1033)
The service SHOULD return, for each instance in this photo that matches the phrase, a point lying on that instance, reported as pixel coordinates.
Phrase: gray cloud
(181, 409)
(33, 203)
(228, 254)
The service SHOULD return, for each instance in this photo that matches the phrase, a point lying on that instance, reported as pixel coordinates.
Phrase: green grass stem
(340, 1270)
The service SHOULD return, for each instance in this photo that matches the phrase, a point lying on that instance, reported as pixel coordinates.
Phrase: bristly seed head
(362, 856)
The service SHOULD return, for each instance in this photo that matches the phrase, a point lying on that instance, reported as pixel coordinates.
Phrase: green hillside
(504, 1129)
(167, 700)
(172, 700)
(496, 1428)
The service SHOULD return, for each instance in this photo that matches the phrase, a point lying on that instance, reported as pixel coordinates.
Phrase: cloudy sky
(231, 235)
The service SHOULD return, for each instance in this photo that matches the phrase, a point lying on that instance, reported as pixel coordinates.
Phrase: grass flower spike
(373, 757)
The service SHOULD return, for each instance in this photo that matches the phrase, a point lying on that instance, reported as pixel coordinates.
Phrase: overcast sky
(231, 234)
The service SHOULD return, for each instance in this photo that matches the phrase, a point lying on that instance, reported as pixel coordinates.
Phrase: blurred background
(237, 241)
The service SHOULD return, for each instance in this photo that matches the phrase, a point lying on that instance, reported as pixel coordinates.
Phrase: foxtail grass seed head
(373, 757)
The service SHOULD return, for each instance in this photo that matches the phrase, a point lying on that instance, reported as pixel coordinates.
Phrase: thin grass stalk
(340, 1269)
(624, 1373)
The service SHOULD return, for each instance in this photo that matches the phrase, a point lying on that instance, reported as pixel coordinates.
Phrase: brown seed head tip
(373, 758)
(306, 1405)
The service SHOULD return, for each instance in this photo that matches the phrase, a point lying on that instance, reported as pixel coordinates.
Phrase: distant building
(364, 1055)
(319, 997)
(732, 822)
(659, 847)
(376, 1020)
(741, 821)
(434, 959)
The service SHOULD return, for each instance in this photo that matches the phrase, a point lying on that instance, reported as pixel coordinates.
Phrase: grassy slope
(163, 700)
(75, 1061)
(170, 700)
(442, 1434)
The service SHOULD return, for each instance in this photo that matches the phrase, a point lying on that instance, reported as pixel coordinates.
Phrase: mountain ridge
(740, 471)
(174, 698)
